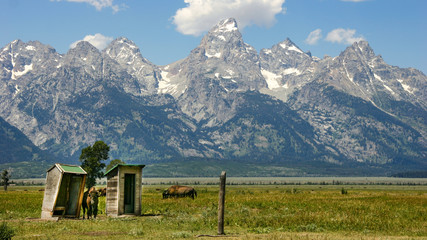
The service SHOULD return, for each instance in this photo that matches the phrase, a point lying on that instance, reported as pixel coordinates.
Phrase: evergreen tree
(5, 176)
(91, 159)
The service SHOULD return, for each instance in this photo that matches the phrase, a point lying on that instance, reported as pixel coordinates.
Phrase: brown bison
(179, 191)
(90, 202)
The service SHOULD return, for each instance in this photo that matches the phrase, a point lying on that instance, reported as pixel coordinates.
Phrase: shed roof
(121, 164)
(66, 168)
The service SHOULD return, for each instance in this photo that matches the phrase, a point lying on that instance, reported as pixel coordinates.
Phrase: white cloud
(98, 4)
(200, 15)
(314, 37)
(98, 40)
(341, 35)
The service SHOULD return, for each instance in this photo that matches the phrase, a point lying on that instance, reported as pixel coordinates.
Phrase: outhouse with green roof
(124, 189)
(63, 193)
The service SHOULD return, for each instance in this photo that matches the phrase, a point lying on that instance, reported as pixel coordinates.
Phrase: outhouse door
(129, 193)
(68, 197)
(73, 201)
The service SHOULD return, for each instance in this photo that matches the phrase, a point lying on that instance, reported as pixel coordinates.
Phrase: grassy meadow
(313, 211)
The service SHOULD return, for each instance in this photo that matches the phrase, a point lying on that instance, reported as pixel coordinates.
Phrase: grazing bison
(90, 202)
(179, 191)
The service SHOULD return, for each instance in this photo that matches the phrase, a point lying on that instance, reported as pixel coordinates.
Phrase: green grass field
(252, 212)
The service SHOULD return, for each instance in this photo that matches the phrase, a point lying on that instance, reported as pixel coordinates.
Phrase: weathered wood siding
(63, 192)
(53, 181)
(116, 190)
(111, 205)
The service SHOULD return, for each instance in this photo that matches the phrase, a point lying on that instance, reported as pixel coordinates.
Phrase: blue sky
(167, 30)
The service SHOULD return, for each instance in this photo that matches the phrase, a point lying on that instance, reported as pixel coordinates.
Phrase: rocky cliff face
(354, 101)
(87, 95)
(144, 75)
(223, 101)
(206, 82)
(286, 66)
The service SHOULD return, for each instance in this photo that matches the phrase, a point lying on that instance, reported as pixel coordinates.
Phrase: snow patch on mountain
(291, 48)
(214, 55)
(271, 79)
(231, 72)
(17, 90)
(227, 25)
(406, 87)
(346, 72)
(30, 48)
(385, 86)
(389, 89)
(294, 71)
(166, 85)
(378, 78)
(16, 74)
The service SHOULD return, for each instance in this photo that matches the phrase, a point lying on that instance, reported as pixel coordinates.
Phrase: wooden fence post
(221, 202)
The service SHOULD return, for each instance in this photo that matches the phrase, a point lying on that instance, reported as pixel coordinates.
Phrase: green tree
(5, 176)
(91, 159)
(114, 163)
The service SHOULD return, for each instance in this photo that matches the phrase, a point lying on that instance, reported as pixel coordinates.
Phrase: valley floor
(251, 212)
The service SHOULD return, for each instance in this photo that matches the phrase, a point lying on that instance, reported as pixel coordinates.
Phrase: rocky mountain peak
(226, 102)
(124, 51)
(83, 48)
(128, 56)
(285, 50)
(361, 50)
(222, 65)
(223, 51)
(235, 62)
(13, 59)
(83, 53)
(13, 45)
(19, 58)
(84, 56)
(221, 38)
(288, 45)
(122, 42)
(285, 65)
(364, 47)
(226, 25)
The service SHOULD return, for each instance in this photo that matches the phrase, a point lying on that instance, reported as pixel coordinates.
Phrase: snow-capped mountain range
(224, 101)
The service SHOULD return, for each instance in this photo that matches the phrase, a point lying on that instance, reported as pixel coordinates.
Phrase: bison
(90, 202)
(179, 191)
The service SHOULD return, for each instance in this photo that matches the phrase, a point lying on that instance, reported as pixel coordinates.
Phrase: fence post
(221, 202)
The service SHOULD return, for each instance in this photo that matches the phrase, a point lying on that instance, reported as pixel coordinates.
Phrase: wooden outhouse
(124, 189)
(63, 193)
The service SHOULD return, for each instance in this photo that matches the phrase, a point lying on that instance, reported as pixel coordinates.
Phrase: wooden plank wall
(112, 192)
(115, 190)
(53, 180)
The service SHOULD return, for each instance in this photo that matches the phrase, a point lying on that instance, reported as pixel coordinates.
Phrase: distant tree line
(411, 174)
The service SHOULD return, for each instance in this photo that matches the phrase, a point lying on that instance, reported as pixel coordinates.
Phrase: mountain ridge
(223, 101)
